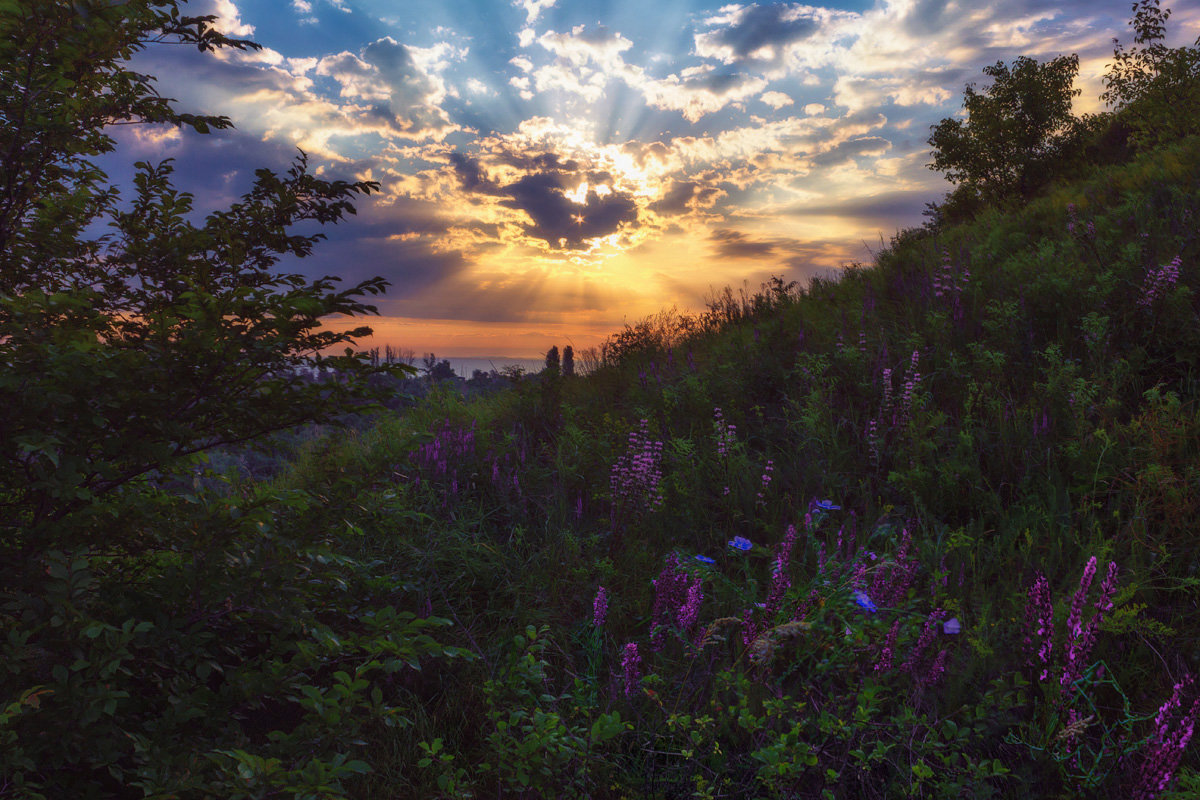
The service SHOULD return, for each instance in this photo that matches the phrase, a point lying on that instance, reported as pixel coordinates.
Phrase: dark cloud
(735, 244)
(470, 174)
(684, 196)
(556, 219)
(848, 150)
(561, 222)
(763, 26)
(881, 206)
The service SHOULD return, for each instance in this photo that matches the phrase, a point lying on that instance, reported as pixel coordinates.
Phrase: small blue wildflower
(740, 543)
(864, 602)
(827, 505)
(705, 559)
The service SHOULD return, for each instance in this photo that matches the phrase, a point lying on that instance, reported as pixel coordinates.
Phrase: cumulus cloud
(399, 83)
(776, 100)
(682, 196)
(533, 8)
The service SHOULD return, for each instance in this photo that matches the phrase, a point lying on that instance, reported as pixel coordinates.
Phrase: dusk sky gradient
(552, 169)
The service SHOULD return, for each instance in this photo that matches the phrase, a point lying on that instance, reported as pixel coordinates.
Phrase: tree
(1015, 131)
(552, 364)
(568, 362)
(121, 359)
(1155, 88)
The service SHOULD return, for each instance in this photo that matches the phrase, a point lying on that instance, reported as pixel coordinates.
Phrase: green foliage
(1155, 88)
(1015, 129)
(119, 365)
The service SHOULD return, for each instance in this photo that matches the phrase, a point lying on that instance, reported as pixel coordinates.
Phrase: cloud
(757, 33)
(562, 222)
(735, 244)
(683, 196)
(533, 8)
(400, 84)
(776, 100)
(851, 149)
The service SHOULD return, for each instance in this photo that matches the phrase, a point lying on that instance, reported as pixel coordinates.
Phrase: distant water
(465, 367)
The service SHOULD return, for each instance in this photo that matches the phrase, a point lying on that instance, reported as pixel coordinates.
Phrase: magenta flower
(600, 607)
(631, 665)
(690, 610)
(1039, 626)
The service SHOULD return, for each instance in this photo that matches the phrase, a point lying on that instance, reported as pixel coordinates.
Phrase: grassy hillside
(928, 530)
(995, 424)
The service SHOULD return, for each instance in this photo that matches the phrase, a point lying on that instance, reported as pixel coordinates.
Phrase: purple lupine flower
(631, 665)
(1075, 633)
(911, 383)
(1164, 749)
(936, 669)
(689, 612)
(765, 481)
(932, 623)
(888, 652)
(670, 594)
(600, 607)
(780, 582)
(1071, 218)
(1159, 281)
(1039, 626)
(636, 475)
(1080, 645)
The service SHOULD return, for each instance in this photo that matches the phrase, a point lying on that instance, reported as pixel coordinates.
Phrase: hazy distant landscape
(923, 526)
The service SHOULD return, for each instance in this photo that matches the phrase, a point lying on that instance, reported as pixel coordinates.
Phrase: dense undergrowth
(924, 531)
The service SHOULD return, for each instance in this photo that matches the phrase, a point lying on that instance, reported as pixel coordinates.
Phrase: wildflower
(1082, 640)
(1039, 625)
(670, 593)
(600, 607)
(631, 665)
(1075, 627)
(740, 543)
(952, 626)
(690, 610)
(1164, 749)
(864, 602)
(780, 582)
(827, 505)
(887, 652)
(705, 559)
(1159, 281)
(935, 670)
(927, 634)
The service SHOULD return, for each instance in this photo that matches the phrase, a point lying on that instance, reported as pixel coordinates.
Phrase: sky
(552, 170)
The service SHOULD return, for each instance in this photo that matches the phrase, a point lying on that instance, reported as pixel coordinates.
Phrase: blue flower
(827, 505)
(864, 602)
(740, 543)
(705, 559)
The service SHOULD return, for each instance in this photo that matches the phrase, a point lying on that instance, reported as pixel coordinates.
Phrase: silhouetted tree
(1015, 130)
(568, 361)
(552, 365)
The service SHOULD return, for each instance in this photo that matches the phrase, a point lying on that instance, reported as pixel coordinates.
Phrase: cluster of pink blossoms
(1159, 281)
(636, 475)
